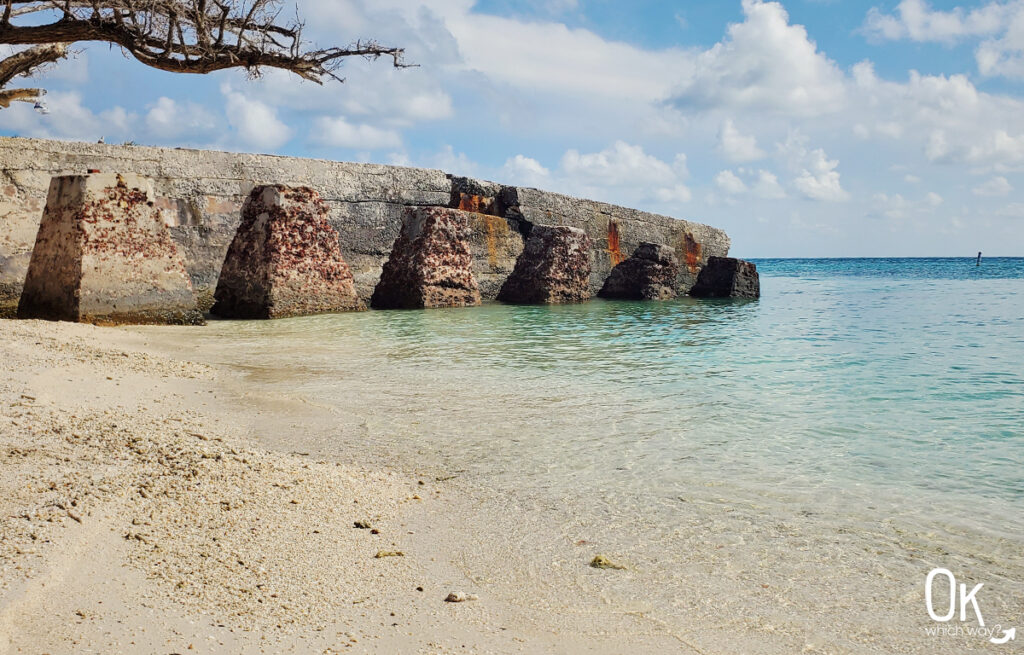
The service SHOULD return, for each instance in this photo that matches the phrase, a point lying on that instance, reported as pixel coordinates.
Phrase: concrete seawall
(200, 194)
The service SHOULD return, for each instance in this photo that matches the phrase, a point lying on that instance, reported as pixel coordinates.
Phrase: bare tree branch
(28, 61)
(25, 95)
(180, 36)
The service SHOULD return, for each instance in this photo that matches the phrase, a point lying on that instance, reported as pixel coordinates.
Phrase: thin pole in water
(979, 258)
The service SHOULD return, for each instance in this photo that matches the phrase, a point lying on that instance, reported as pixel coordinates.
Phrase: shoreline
(720, 572)
(140, 514)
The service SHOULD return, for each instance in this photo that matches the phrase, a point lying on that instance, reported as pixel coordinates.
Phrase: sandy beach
(176, 490)
(466, 326)
(139, 515)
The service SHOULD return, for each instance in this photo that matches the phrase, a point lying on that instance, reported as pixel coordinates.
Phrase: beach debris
(284, 259)
(554, 268)
(726, 277)
(430, 264)
(362, 525)
(603, 562)
(381, 554)
(649, 274)
(460, 597)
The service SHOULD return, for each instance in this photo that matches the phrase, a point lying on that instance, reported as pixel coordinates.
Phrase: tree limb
(180, 36)
(25, 95)
(27, 61)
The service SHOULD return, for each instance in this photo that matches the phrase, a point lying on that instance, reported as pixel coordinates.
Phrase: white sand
(137, 515)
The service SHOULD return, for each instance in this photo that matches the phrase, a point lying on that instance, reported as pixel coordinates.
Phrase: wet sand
(138, 514)
(159, 494)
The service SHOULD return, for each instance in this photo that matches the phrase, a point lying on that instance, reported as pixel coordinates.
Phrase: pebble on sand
(602, 562)
(460, 597)
(389, 553)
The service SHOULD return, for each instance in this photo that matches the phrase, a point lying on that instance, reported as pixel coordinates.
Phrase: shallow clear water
(785, 459)
(894, 376)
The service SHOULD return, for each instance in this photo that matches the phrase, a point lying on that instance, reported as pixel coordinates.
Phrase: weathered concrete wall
(649, 274)
(615, 232)
(103, 255)
(431, 263)
(201, 192)
(553, 269)
(284, 259)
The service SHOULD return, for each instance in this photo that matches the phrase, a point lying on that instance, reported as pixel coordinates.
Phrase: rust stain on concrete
(477, 204)
(496, 230)
(613, 243)
(692, 252)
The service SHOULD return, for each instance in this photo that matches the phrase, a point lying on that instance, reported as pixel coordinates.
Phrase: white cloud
(816, 174)
(764, 63)
(450, 161)
(69, 119)
(730, 183)
(679, 193)
(737, 147)
(767, 186)
(999, 24)
(169, 119)
(1012, 210)
(525, 171)
(428, 105)
(622, 173)
(997, 186)
(255, 122)
(949, 117)
(338, 132)
(680, 165)
(890, 206)
(555, 58)
(898, 207)
(761, 183)
(917, 21)
(620, 164)
(819, 180)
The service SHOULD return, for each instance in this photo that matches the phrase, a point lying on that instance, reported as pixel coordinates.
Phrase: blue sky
(804, 128)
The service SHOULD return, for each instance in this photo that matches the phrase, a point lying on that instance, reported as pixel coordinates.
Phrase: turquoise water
(786, 467)
(894, 374)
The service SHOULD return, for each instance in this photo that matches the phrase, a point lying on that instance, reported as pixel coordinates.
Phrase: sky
(804, 128)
